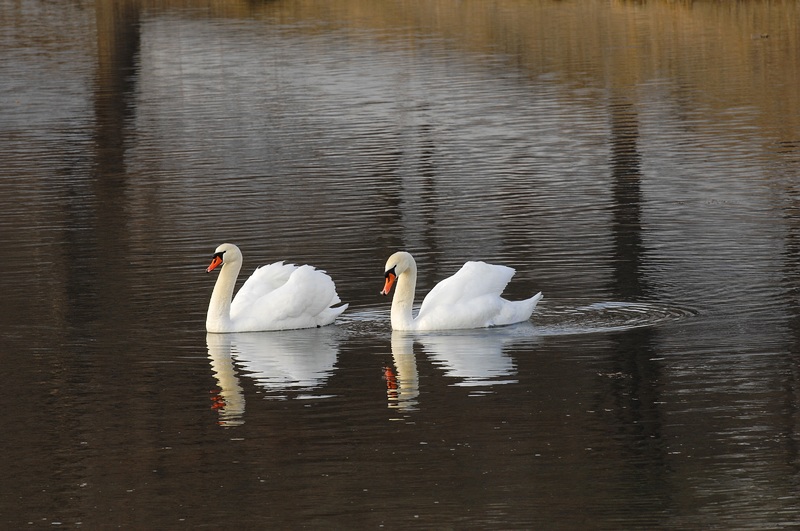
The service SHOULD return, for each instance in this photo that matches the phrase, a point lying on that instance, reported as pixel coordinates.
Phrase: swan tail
(533, 301)
(530, 304)
(517, 311)
(329, 315)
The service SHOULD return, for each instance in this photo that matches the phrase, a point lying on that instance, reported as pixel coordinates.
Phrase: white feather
(471, 298)
(276, 297)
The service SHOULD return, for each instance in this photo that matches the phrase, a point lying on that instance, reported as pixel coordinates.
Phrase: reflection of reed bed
(724, 54)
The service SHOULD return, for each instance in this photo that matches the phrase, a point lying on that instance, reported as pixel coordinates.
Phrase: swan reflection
(281, 363)
(402, 381)
(473, 358)
(228, 400)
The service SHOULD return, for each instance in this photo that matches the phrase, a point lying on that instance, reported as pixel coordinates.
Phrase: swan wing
(303, 300)
(264, 280)
(474, 280)
(471, 298)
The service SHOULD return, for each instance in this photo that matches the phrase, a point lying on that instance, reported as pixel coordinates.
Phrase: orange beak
(215, 263)
(387, 287)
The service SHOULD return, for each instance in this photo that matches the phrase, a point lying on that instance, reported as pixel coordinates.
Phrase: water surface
(637, 163)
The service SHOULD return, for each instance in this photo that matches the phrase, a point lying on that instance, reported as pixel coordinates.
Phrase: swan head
(396, 265)
(224, 254)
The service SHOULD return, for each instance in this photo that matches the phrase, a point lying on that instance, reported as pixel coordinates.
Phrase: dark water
(636, 162)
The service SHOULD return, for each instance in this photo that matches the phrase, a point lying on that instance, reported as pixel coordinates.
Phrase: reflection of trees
(117, 50)
(412, 198)
(94, 241)
(627, 195)
(634, 379)
(790, 153)
(96, 230)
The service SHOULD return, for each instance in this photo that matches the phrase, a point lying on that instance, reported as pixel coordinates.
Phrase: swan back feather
(473, 280)
(264, 280)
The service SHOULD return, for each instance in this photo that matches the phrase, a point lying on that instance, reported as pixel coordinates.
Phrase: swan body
(276, 297)
(469, 299)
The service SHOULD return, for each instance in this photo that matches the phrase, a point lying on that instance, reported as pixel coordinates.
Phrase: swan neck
(218, 318)
(403, 300)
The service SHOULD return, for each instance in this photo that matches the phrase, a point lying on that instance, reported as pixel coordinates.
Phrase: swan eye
(390, 272)
(218, 255)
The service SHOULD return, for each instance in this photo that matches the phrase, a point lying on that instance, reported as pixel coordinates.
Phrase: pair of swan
(284, 296)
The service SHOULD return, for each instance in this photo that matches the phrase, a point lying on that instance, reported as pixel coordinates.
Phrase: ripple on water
(554, 317)
(606, 316)
(366, 321)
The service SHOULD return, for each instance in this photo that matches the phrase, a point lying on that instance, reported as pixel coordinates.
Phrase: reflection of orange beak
(215, 263)
(391, 379)
(387, 287)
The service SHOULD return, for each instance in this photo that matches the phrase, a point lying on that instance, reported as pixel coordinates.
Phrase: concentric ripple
(608, 316)
(561, 317)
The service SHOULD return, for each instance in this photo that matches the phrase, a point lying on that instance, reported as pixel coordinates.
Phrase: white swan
(276, 297)
(468, 299)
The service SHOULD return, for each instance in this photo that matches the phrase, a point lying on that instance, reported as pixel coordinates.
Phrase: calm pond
(637, 162)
